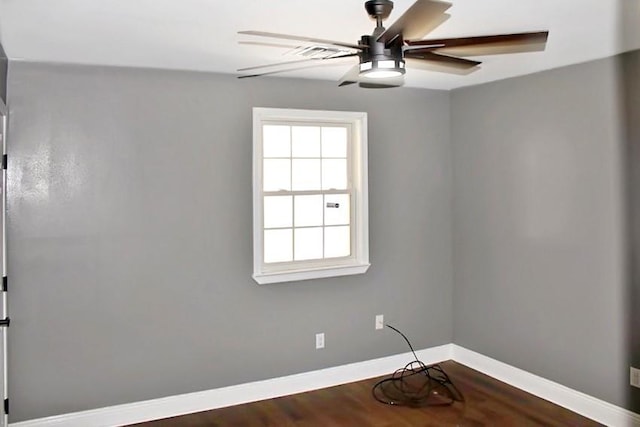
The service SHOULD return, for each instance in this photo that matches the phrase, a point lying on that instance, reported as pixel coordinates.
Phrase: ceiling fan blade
(267, 73)
(446, 60)
(350, 76)
(484, 45)
(298, 61)
(431, 61)
(280, 45)
(301, 38)
(420, 19)
(315, 62)
(439, 67)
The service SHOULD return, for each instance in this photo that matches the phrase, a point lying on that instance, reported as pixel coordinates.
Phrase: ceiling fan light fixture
(381, 54)
(382, 69)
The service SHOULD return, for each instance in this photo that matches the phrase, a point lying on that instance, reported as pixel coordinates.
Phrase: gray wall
(130, 232)
(4, 65)
(539, 233)
(130, 235)
(631, 93)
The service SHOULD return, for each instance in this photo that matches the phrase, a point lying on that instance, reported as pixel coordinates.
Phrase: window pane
(278, 245)
(337, 209)
(305, 141)
(308, 210)
(276, 174)
(334, 142)
(337, 242)
(276, 141)
(334, 174)
(308, 243)
(306, 174)
(278, 211)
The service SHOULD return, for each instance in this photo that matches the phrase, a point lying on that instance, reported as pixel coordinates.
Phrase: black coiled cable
(417, 385)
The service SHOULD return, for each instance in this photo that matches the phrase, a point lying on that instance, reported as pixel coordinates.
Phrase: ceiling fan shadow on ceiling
(384, 55)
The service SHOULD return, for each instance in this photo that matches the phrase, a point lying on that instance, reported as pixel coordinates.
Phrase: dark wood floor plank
(488, 402)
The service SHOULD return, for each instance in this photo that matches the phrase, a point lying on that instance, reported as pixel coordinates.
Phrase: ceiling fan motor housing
(379, 55)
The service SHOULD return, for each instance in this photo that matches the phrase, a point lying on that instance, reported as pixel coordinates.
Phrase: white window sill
(316, 273)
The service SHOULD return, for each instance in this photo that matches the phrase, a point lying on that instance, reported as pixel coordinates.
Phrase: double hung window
(310, 194)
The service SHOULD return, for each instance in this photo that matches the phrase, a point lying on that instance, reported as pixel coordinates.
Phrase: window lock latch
(333, 205)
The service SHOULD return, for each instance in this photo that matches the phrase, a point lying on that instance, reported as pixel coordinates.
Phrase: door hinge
(5, 322)
(6, 406)
(5, 161)
(5, 283)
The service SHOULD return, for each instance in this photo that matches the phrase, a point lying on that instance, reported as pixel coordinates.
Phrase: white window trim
(357, 264)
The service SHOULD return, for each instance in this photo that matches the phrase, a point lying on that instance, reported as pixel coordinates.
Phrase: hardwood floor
(488, 402)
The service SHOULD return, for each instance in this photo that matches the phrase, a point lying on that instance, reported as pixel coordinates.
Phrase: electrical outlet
(634, 377)
(380, 321)
(319, 340)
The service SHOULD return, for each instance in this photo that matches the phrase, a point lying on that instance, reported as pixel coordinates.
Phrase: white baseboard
(234, 395)
(583, 404)
(172, 406)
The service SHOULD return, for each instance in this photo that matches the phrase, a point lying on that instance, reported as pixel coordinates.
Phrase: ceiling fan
(384, 54)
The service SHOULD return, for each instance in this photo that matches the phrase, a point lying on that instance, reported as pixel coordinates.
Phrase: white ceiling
(202, 34)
